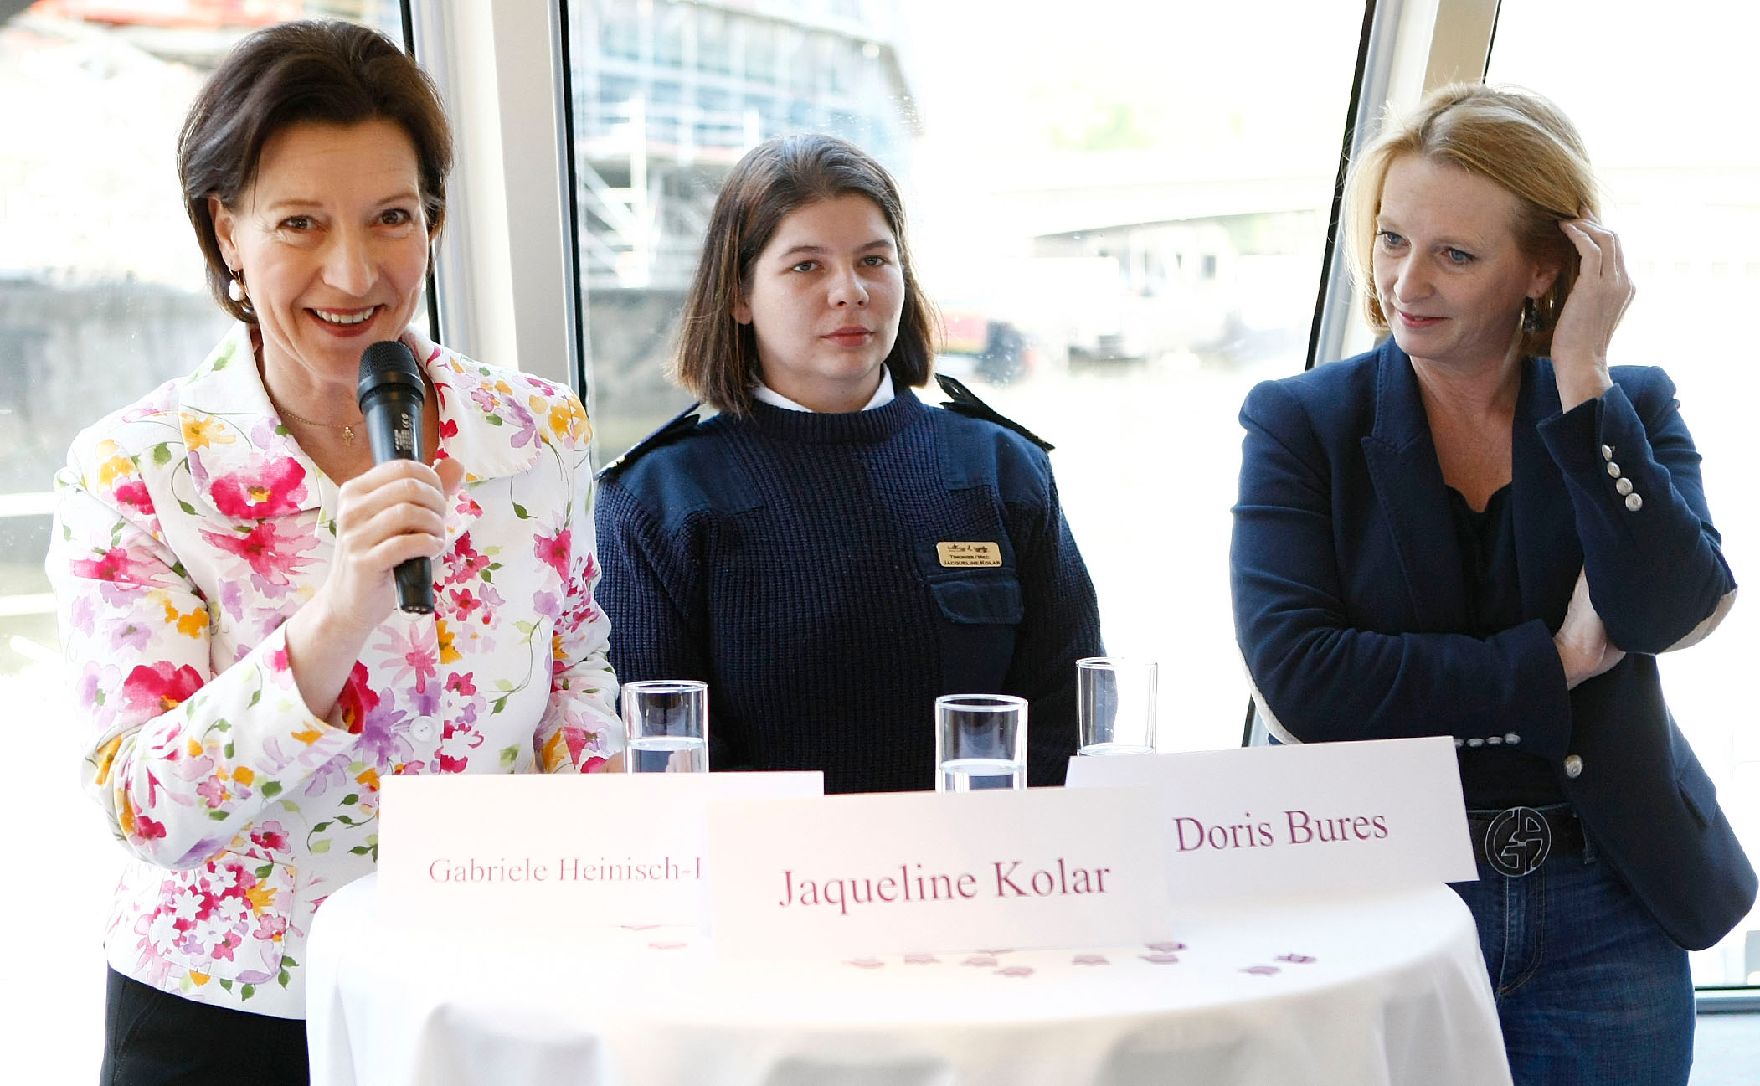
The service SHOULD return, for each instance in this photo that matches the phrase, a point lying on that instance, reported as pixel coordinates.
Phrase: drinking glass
(1115, 705)
(667, 724)
(980, 742)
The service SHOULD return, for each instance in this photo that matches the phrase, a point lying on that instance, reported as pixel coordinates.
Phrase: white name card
(903, 872)
(1289, 821)
(593, 849)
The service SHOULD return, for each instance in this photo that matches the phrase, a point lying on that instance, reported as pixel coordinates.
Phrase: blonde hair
(1516, 139)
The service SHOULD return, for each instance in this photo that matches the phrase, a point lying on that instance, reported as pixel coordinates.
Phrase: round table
(1381, 990)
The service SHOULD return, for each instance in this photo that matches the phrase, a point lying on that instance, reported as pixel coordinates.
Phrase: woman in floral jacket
(223, 555)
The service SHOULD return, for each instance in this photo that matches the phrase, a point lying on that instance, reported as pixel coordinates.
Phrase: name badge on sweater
(968, 555)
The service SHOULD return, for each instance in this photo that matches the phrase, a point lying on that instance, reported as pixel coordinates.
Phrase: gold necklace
(346, 428)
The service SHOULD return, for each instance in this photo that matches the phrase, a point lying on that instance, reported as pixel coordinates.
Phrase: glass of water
(980, 742)
(1115, 705)
(667, 724)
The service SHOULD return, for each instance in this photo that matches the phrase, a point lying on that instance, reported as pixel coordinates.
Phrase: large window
(1120, 214)
(1682, 190)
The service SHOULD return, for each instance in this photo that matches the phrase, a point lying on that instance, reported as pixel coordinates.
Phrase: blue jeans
(1589, 989)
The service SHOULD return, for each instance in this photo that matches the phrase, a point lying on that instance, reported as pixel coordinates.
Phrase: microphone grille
(388, 362)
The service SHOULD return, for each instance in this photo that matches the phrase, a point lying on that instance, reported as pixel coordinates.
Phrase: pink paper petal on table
(1015, 971)
(657, 945)
(979, 959)
(638, 927)
(1165, 948)
(865, 963)
(921, 959)
(1089, 959)
(1298, 959)
(1004, 950)
(1160, 959)
(1262, 970)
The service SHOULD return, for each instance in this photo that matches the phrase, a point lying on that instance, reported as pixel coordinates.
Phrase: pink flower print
(159, 688)
(145, 829)
(416, 657)
(131, 636)
(270, 837)
(272, 553)
(466, 506)
(115, 564)
(449, 764)
(464, 601)
(463, 684)
(553, 551)
(225, 947)
(134, 494)
(484, 399)
(465, 562)
(356, 699)
(87, 690)
(213, 791)
(547, 605)
(270, 927)
(268, 490)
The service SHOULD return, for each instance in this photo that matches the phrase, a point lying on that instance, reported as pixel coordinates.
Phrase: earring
(235, 288)
(1530, 316)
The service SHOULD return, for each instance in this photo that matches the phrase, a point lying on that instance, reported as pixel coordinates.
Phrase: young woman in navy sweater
(829, 553)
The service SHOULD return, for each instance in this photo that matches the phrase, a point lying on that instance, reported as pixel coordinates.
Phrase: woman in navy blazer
(1479, 529)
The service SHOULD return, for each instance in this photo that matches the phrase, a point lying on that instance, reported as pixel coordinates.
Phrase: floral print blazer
(189, 527)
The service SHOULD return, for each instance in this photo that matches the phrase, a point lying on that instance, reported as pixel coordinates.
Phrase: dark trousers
(153, 1038)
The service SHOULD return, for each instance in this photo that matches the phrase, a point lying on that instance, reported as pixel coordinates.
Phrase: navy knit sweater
(789, 559)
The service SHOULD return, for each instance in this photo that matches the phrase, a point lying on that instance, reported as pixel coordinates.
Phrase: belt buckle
(1517, 841)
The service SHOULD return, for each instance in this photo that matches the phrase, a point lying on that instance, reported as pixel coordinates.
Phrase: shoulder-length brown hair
(717, 357)
(324, 72)
(1516, 139)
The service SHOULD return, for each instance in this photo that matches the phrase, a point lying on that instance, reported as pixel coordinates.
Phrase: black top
(1495, 777)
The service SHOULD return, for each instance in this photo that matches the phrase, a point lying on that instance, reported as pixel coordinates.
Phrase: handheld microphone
(390, 393)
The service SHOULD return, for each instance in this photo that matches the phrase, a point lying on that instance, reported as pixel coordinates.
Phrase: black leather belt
(1515, 842)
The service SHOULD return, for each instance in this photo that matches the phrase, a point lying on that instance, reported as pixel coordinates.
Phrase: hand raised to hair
(1581, 640)
(1597, 302)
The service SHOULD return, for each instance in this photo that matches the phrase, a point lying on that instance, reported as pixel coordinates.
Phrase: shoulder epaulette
(962, 401)
(676, 427)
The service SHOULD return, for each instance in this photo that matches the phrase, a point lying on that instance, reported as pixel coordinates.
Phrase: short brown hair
(717, 357)
(1516, 139)
(324, 72)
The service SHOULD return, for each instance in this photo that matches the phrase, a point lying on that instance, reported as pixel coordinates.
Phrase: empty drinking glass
(1115, 705)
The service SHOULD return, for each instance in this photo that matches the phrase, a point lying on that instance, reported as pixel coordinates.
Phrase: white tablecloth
(1385, 990)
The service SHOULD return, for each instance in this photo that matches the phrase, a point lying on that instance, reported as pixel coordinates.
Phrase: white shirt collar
(882, 395)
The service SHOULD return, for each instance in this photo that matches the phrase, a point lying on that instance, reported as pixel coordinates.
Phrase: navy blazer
(1349, 596)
